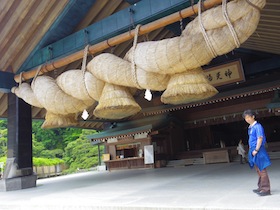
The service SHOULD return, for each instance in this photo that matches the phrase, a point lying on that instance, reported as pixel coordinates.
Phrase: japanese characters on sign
(225, 74)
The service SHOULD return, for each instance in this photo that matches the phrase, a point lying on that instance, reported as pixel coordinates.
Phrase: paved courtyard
(198, 187)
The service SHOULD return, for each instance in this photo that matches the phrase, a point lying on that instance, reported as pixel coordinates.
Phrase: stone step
(274, 155)
(185, 162)
(194, 161)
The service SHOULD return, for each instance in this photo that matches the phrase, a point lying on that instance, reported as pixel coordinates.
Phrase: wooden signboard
(225, 74)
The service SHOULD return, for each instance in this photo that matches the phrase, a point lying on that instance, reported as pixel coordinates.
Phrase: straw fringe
(58, 121)
(116, 102)
(188, 87)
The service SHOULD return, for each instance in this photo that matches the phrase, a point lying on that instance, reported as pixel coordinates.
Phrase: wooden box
(219, 156)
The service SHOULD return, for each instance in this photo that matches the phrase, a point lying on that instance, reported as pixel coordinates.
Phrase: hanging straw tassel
(188, 87)
(58, 121)
(116, 102)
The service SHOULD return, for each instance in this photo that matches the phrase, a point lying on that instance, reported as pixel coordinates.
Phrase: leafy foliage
(3, 159)
(55, 138)
(46, 161)
(40, 161)
(55, 146)
(3, 138)
(80, 154)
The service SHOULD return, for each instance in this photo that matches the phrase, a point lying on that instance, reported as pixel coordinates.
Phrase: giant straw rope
(171, 65)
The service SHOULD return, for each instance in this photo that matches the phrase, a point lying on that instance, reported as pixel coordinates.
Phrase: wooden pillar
(19, 132)
(18, 173)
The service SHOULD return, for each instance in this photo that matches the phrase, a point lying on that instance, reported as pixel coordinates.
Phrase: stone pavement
(225, 186)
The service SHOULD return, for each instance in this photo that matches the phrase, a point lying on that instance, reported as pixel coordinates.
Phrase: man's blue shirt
(255, 131)
(261, 159)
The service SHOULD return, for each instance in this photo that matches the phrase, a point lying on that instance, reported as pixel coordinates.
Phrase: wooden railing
(48, 171)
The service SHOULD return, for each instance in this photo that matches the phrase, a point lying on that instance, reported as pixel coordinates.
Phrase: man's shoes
(256, 190)
(263, 193)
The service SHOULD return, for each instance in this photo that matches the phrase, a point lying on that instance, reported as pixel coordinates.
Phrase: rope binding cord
(84, 61)
(228, 22)
(148, 94)
(36, 75)
(84, 69)
(251, 4)
(50, 50)
(37, 72)
(231, 28)
(206, 38)
(85, 58)
(192, 3)
(20, 78)
(133, 56)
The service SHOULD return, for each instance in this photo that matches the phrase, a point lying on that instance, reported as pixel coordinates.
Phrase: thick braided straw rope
(81, 84)
(214, 32)
(25, 92)
(173, 65)
(133, 55)
(229, 24)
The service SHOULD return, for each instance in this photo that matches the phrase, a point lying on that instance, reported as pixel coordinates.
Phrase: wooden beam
(35, 111)
(119, 39)
(12, 22)
(3, 104)
(93, 14)
(52, 9)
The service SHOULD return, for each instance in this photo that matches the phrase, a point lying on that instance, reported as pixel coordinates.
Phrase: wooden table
(126, 163)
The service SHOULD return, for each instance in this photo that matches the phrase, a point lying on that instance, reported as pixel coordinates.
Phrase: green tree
(71, 134)
(55, 138)
(3, 138)
(37, 147)
(70, 144)
(81, 154)
(50, 143)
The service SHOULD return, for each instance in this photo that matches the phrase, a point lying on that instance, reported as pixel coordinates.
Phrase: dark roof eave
(119, 133)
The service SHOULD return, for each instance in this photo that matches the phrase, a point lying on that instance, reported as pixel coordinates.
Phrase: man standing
(241, 152)
(257, 155)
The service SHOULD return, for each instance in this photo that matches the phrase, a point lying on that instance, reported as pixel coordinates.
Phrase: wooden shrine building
(52, 39)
